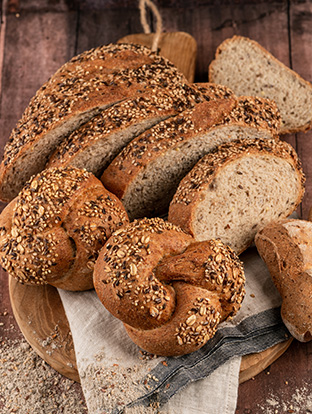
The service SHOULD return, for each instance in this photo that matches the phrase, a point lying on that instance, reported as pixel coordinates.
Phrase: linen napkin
(118, 377)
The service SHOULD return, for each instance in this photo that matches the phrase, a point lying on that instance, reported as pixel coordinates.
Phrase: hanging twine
(143, 4)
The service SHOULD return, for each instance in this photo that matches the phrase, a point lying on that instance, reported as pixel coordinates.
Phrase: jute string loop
(143, 4)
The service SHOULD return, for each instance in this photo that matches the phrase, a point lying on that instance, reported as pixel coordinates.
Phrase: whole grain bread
(97, 142)
(168, 290)
(147, 172)
(76, 92)
(238, 188)
(248, 69)
(52, 231)
(286, 248)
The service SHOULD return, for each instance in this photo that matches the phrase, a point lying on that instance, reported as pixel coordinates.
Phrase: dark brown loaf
(286, 248)
(238, 188)
(80, 89)
(170, 292)
(147, 172)
(52, 231)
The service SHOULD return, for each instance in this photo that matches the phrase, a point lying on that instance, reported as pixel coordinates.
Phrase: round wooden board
(40, 315)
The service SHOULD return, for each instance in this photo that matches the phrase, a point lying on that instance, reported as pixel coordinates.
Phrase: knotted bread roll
(169, 291)
(52, 231)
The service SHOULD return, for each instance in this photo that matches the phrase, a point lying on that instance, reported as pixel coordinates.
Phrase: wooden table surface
(38, 36)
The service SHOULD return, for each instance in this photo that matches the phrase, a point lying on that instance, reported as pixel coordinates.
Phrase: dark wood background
(38, 36)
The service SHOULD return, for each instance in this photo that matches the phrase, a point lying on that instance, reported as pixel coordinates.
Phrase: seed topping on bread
(207, 168)
(120, 115)
(128, 248)
(153, 276)
(45, 225)
(255, 112)
(167, 134)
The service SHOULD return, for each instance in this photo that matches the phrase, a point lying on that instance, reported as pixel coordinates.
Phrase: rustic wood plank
(301, 56)
(30, 58)
(103, 27)
(212, 24)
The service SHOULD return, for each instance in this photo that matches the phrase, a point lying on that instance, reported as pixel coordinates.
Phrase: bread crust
(169, 291)
(77, 91)
(191, 189)
(138, 158)
(286, 248)
(129, 114)
(269, 56)
(152, 144)
(52, 232)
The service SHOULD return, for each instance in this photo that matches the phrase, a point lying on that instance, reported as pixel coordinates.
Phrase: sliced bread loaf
(97, 142)
(238, 188)
(80, 89)
(147, 172)
(248, 69)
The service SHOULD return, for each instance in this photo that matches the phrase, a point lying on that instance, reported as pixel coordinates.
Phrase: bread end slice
(248, 69)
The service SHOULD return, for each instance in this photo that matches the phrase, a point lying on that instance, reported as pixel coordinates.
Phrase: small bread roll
(52, 231)
(170, 292)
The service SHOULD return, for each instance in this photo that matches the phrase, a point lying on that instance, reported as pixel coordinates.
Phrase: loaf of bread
(97, 142)
(169, 291)
(286, 248)
(248, 69)
(238, 188)
(52, 231)
(145, 175)
(88, 83)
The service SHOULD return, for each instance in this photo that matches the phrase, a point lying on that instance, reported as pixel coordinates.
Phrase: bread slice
(248, 69)
(79, 90)
(286, 248)
(147, 172)
(238, 188)
(97, 142)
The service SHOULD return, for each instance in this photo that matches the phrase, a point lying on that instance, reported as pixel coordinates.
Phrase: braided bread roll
(169, 291)
(52, 231)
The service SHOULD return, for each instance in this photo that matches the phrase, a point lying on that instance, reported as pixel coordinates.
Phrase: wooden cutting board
(40, 315)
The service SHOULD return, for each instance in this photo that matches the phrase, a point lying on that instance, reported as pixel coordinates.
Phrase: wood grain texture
(301, 61)
(40, 315)
(253, 364)
(103, 27)
(33, 35)
(179, 47)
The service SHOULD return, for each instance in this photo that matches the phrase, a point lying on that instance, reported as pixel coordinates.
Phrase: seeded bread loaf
(97, 142)
(147, 172)
(248, 69)
(286, 248)
(238, 188)
(79, 90)
(170, 292)
(52, 231)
